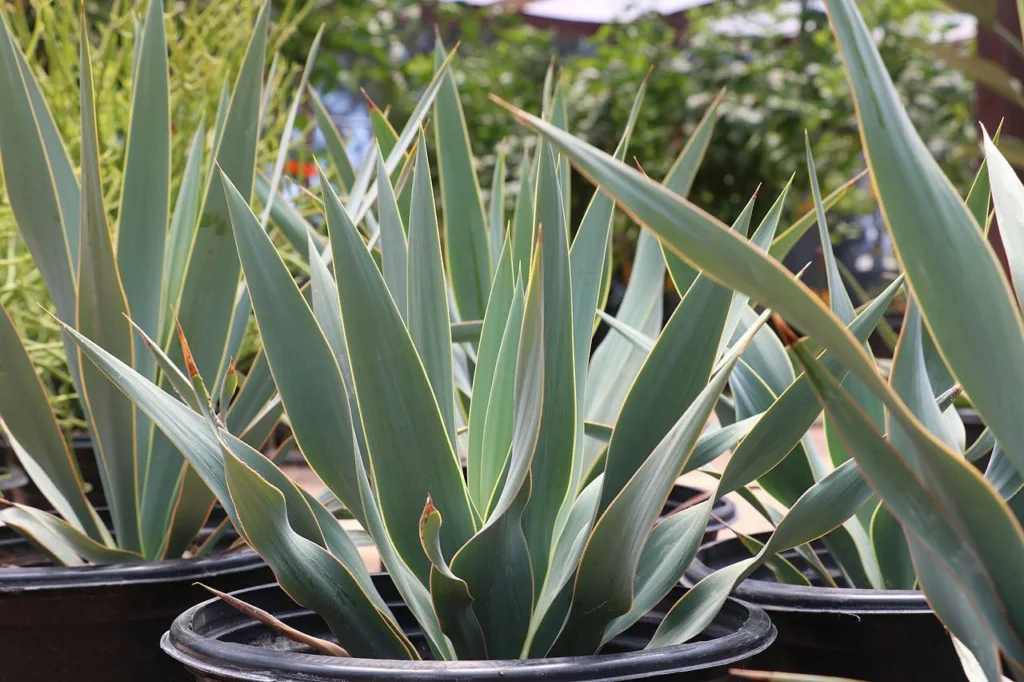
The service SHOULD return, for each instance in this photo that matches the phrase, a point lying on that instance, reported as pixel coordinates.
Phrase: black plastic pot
(215, 642)
(874, 635)
(102, 622)
(973, 426)
(681, 497)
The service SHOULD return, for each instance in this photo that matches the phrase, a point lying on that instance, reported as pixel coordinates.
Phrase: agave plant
(202, 47)
(551, 542)
(964, 542)
(167, 264)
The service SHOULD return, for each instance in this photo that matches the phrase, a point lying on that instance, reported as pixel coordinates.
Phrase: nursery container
(215, 642)
(872, 635)
(102, 622)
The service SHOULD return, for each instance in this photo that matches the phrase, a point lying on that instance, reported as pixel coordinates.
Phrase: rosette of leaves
(405, 354)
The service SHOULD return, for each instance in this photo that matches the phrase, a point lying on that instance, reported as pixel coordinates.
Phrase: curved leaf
(61, 541)
(675, 373)
(608, 568)
(449, 593)
(32, 430)
(935, 238)
(309, 573)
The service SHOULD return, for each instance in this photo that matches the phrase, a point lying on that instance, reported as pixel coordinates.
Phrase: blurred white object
(594, 11)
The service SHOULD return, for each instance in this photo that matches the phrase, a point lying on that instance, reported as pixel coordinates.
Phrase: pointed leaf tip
(190, 363)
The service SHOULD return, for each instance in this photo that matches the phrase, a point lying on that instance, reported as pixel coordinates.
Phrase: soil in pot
(872, 635)
(217, 643)
(102, 622)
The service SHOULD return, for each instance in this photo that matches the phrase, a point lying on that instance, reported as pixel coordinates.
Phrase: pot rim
(40, 578)
(773, 596)
(208, 655)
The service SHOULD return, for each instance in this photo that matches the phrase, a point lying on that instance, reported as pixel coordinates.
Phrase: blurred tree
(778, 85)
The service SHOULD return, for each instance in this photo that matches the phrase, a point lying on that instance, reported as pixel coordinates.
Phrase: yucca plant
(965, 544)
(550, 545)
(169, 264)
(203, 48)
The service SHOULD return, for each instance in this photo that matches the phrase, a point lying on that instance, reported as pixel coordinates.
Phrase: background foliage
(777, 87)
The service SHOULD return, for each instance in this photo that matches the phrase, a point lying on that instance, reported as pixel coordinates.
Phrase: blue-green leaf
(427, 294)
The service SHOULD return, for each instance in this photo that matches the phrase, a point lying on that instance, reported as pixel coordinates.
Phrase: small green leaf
(497, 209)
(979, 198)
(892, 550)
(427, 293)
(680, 179)
(332, 139)
(449, 593)
(145, 201)
(523, 223)
(480, 482)
(499, 421)
(183, 227)
(783, 243)
(615, 362)
(465, 223)
(393, 248)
